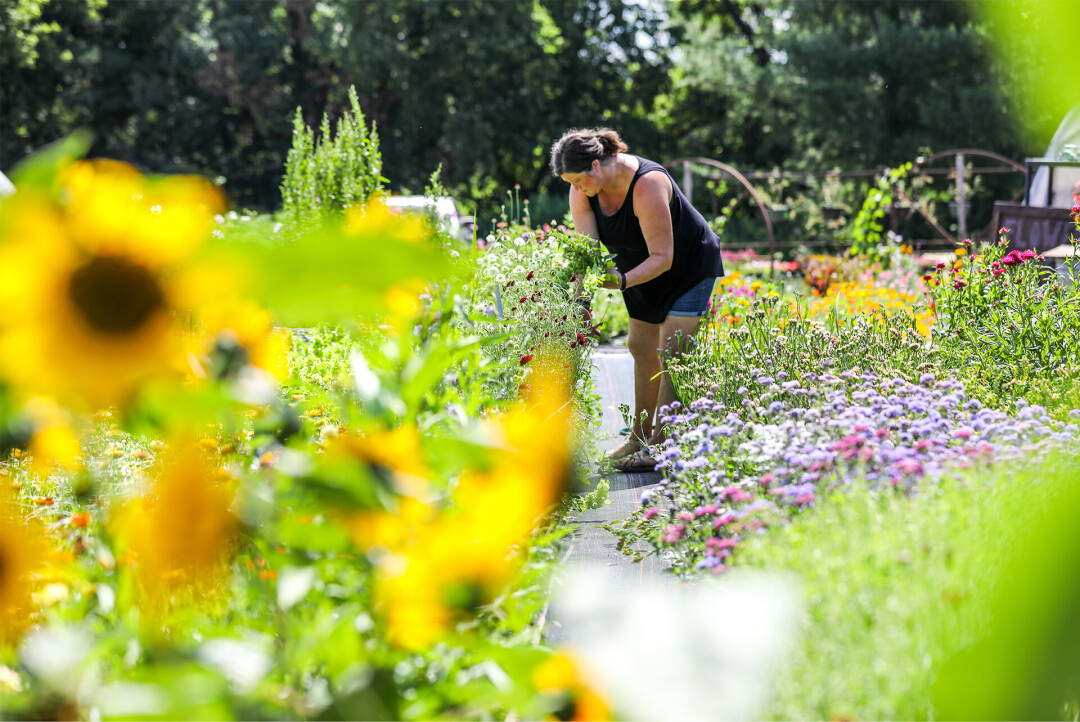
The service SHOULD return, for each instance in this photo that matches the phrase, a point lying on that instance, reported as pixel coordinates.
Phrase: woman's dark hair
(575, 151)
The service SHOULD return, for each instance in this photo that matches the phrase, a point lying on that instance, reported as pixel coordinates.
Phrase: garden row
(206, 515)
(895, 439)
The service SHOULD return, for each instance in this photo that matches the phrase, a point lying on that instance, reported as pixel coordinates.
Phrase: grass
(894, 586)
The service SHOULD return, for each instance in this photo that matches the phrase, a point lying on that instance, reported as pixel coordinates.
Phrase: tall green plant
(326, 174)
(867, 230)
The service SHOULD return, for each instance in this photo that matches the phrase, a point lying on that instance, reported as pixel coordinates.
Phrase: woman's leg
(673, 328)
(643, 343)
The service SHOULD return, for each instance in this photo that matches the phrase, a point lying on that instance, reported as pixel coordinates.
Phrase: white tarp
(1065, 179)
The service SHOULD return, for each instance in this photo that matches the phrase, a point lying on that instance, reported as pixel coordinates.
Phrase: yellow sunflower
(435, 567)
(559, 678)
(181, 533)
(22, 553)
(90, 277)
(245, 326)
(54, 442)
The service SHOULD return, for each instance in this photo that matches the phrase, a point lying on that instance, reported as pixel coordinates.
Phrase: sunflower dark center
(115, 295)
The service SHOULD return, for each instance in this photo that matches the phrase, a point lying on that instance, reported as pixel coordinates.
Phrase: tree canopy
(481, 89)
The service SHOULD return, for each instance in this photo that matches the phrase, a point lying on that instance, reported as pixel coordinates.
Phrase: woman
(667, 260)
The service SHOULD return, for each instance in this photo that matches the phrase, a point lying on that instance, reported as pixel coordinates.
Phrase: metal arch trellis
(687, 186)
(960, 154)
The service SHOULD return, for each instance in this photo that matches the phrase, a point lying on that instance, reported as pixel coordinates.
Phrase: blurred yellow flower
(434, 567)
(560, 676)
(22, 554)
(53, 443)
(395, 450)
(729, 278)
(243, 326)
(88, 280)
(181, 533)
(374, 220)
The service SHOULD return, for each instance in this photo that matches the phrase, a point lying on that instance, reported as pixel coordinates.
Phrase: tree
(849, 84)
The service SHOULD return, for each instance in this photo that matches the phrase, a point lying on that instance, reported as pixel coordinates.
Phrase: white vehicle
(445, 208)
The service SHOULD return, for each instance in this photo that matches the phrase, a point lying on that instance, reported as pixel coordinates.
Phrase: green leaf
(40, 169)
(327, 275)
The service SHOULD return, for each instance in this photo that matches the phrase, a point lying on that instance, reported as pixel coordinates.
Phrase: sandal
(638, 462)
(623, 450)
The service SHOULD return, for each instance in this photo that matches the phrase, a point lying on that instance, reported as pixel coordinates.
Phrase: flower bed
(733, 471)
(190, 528)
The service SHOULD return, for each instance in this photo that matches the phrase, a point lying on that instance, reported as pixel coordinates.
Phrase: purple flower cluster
(729, 472)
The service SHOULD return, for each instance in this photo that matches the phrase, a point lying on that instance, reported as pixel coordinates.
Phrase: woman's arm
(652, 199)
(582, 213)
(585, 223)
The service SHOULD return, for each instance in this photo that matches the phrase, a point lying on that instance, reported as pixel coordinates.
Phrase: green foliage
(867, 230)
(890, 598)
(328, 173)
(584, 259)
(779, 337)
(275, 598)
(814, 85)
(609, 310)
(1000, 311)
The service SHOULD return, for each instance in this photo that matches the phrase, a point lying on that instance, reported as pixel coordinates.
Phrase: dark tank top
(696, 253)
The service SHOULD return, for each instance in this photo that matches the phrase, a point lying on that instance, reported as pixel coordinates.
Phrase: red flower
(524, 360)
(530, 276)
(959, 284)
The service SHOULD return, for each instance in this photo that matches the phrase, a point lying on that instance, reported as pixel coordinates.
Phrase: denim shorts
(695, 301)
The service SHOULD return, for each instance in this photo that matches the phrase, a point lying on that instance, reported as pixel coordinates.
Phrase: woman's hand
(613, 280)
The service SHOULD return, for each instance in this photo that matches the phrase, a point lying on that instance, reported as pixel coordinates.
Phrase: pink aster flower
(673, 533)
(723, 521)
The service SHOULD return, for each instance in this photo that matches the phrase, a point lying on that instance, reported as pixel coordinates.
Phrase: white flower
(216, 233)
(219, 218)
(155, 210)
(519, 241)
(519, 270)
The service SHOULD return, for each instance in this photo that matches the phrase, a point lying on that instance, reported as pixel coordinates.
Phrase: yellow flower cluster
(866, 297)
(22, 554)
(177, 537)
(437, 559)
